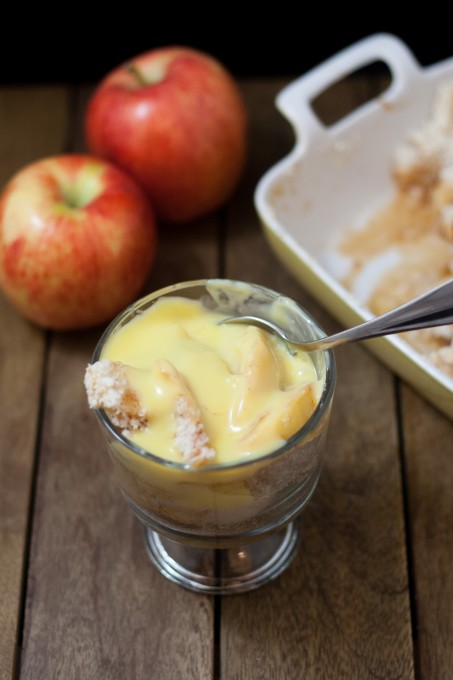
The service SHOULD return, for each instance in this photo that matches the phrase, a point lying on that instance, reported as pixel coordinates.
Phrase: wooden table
(370, 593)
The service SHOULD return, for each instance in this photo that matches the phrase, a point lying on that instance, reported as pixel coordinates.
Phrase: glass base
(223, 571)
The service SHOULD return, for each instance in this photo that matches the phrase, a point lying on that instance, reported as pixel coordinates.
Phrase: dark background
(80, 43)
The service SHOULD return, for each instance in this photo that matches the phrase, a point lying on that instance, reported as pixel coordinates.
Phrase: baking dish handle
(295, 99)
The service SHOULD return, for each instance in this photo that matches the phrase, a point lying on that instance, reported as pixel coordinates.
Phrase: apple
(175, 119)
(77, 241)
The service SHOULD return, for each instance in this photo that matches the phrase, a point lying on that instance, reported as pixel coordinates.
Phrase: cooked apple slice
(298, 408)
(257, 376)
(294, 409)
(260, 364)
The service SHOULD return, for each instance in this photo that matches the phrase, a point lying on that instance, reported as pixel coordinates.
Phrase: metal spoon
(434, 308)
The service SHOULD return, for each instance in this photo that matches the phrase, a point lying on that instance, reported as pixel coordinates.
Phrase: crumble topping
(425, 158)
(109, 386)
(415, 228)
(190, 436)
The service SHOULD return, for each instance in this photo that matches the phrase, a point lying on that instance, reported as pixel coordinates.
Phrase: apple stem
(133, 70)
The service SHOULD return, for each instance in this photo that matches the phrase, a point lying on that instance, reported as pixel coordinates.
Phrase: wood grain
(428, 439)
(342, 610)
(369, 594)
(96, 607)
(32, 121)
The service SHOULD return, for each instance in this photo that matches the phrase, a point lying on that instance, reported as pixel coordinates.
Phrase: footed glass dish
(230, 527)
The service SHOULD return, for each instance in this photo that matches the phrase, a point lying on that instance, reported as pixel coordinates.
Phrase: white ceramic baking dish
(338, 176)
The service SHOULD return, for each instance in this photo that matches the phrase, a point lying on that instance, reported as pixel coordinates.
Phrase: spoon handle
(434, 308)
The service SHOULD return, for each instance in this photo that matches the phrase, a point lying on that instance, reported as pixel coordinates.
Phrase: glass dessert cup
(230, 527)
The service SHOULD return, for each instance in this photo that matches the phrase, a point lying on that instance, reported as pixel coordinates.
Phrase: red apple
(77, 241)
(175, 119)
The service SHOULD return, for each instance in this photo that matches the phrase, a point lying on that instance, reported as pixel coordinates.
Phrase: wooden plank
(32, 121)
(428, 437)
(33, 125)
(342, 608)
(97, 608)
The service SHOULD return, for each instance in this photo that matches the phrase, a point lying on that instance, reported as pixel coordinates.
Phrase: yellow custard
(234, 391)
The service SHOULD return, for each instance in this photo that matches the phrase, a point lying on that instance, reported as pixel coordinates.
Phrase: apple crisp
(110, 386)
(411, 239)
